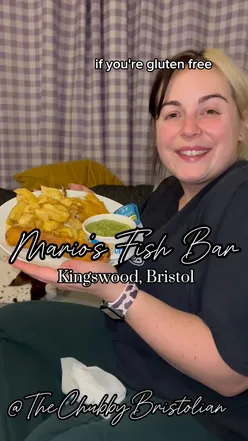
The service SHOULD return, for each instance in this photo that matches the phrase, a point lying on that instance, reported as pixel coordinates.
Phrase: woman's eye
(211, 112)
(171, 115)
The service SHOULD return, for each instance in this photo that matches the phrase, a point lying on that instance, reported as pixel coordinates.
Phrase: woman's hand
(107, 291)
(79, 187)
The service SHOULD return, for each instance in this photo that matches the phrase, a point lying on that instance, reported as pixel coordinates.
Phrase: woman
(182, 338)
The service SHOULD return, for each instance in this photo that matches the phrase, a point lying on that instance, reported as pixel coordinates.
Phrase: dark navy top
(219, 294)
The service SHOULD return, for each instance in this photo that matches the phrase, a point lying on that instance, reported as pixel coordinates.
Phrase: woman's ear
(243, 126)
(243, 135)
(244, 123)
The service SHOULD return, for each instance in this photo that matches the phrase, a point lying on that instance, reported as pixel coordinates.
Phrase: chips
(52, 211)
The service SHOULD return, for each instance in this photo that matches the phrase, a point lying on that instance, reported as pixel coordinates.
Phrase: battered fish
(13, 235)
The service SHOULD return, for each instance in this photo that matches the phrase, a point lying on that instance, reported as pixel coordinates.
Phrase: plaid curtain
(56, 106)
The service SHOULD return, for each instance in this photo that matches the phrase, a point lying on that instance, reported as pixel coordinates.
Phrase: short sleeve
(224, 306)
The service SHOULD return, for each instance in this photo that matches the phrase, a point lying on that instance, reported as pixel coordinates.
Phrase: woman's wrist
(121, 303)
(111, 291)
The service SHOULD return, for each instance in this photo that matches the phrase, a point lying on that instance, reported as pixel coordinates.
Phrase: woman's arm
(185, 342)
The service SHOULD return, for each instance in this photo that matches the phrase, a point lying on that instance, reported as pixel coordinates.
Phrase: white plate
(49, 261)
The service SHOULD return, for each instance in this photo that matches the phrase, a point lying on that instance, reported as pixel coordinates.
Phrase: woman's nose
(190, 127)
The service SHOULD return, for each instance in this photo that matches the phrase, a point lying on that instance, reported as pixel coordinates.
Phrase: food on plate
(58, 218)
(13, 235)
(107, 228)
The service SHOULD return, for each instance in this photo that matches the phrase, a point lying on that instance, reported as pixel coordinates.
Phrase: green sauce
(107, 228)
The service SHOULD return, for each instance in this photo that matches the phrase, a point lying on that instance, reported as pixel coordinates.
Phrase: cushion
(85, 172)
(6, 195)
(125, 194)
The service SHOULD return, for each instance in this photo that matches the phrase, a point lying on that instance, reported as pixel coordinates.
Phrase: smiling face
(198, 128)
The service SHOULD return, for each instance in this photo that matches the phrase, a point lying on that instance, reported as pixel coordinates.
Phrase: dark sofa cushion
(6, 195)
(136, 194)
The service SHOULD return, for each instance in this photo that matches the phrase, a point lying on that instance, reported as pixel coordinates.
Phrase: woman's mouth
(192, 154)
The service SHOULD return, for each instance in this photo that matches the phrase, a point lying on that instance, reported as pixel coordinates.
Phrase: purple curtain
(56, 106)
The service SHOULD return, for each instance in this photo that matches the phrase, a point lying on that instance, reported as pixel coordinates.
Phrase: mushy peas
(107, 228)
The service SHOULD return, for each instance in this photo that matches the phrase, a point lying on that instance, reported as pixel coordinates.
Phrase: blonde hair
(238, 81)
(236, 77)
